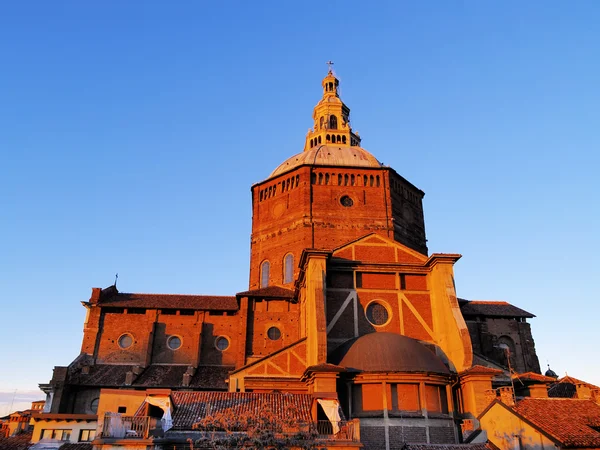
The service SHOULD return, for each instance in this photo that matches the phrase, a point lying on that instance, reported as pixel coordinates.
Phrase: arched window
(328, 138)
(288, 268)
(265, 268)
(332, 122)
(343, 139)
(319, 139)
(320, 178)
(321, 121)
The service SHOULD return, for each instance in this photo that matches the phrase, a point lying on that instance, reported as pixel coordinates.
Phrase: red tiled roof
(18, 442)
(575, 381)
(155, 375)
(491, 309)
(486, 446)
(190, 407)
(532, 376)
(269, 292)
(171, 301)
(481, 369)
(105, 375)
(77, 446)
(566, 387)
(568, 421)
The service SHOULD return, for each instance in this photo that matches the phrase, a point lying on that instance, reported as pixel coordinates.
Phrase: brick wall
(441, 435)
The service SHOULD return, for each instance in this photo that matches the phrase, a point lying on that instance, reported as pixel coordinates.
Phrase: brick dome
(329, 155)
(387, 352)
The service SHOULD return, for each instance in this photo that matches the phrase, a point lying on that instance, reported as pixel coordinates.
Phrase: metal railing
(118, 426)
(343, 430)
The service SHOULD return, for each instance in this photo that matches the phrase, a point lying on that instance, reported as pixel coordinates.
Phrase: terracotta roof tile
(100, 375)
(491, 309)
(449, 447)
(171, 301)
(155, 375)
(269, 292)
(566, 387)
(163, 375)
(481, 369)
(569, 421)
(190, 407)
(18, 442)
(76, 446)
(532, 376)
(211, 377)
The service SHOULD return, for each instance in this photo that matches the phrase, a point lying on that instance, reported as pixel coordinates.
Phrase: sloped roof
(491, 309)
(77, 446)
(101, 375)
(170, 301)
(161, 375)
(532, 376)
(568, 421)
(18, 442)
(269, 292)
(329, 155)
(481, 369)
(566, 387)
(190, 407)
(387, 352)
(482, 446)
(155, 375)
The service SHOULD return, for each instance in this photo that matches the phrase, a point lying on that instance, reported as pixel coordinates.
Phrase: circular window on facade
(273, 333)
(377, 313)
(222, 343)
(174, 342)
(346, 201)
(94, 405)
(126, 341)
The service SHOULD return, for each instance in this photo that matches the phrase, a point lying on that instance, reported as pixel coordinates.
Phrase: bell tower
(331, 118)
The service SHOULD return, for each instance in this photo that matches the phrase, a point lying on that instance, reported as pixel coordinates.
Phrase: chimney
(95, 295)
(467, 427)
(595, 395)
(538, 391)
(187, 376)
(507, 395)
(583, 391)
(490, 395)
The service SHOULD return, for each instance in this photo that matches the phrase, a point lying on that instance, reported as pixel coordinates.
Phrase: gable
(378, 249)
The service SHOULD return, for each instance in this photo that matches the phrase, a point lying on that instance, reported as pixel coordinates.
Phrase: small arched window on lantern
(265, 268)
(332, 122)
(288, 268)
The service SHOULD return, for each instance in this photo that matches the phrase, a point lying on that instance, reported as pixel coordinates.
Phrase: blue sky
(131, 133)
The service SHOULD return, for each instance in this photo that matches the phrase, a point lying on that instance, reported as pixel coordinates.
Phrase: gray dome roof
(329, 155)
(387, 352)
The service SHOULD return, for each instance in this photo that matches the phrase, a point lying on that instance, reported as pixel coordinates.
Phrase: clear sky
(131, 132)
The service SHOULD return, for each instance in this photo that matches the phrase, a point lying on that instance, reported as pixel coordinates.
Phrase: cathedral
(348, 320)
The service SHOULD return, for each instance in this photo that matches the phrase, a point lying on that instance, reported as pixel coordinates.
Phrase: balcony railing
(118, 426)
(344, 430)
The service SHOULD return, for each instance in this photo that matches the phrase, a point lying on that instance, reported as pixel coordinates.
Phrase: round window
(174, 342)
(125, 341)
(346, 201)
(274, 333)
(377, 314)
(94, 405)
(222, 343)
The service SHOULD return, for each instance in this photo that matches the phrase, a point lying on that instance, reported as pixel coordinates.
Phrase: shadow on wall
(212, 347)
